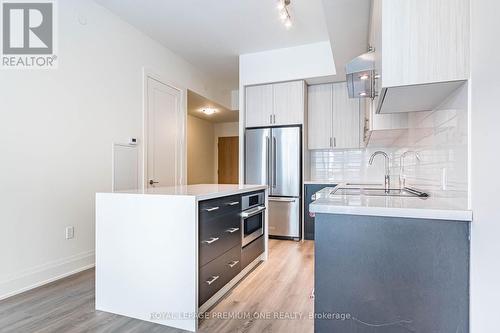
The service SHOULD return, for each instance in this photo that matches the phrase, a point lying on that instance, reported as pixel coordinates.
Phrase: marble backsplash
(441, 139)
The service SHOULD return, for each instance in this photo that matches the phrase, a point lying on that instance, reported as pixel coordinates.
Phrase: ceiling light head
(364, 77)
(363, 94)
(283, 16)
(288, 23)
(209, 111)
(282, 4)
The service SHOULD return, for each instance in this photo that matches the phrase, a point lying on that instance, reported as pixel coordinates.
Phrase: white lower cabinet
(333, 117)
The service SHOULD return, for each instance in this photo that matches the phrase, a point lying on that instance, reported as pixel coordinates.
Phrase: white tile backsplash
(352, 165)
(439, 136)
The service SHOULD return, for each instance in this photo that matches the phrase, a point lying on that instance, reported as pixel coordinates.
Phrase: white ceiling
(197, 102)
(211, 34)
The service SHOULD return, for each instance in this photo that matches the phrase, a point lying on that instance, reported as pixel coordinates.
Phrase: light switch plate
(70, 232)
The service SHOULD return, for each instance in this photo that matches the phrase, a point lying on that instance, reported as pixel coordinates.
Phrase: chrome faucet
(402, 176)
(387, 178)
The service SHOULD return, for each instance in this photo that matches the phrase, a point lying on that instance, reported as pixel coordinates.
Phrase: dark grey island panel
(391, 275)
(310, 191)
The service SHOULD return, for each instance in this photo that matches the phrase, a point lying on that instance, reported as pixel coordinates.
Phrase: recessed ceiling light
(209, 111)
(364, 77)
(362, 93)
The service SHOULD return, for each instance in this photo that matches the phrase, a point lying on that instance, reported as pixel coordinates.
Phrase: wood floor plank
(277, 288)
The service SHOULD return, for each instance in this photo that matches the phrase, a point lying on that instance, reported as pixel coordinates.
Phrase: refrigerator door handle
(274, 162)
(282, 199)
(268, 148)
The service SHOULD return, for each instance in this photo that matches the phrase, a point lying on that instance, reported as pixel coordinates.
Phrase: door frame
(181, 151)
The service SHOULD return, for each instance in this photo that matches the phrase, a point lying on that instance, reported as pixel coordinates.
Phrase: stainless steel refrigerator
(273, 157)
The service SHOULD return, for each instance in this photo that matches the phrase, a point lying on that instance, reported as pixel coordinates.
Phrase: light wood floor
(274, 292)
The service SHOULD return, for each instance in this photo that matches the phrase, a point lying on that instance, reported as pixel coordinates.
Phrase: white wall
(200, 156)
(222, 130)
(58, 127)
(294, 63)
(485, 162)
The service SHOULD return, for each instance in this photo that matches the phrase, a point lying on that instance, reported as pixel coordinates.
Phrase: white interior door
(164, 135)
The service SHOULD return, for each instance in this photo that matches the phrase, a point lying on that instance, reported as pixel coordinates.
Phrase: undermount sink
(378, 191)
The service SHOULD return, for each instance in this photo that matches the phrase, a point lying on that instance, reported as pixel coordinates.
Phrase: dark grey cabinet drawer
(218, 273)
(217, 225)
(215, 207)
(250, 252)
(218, 236)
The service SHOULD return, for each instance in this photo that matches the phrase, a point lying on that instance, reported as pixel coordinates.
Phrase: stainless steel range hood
(360, 75)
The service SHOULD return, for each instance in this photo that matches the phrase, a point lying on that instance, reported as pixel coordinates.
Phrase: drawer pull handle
(214, 278)
(211, 209)
(232, 230)
(234, 203)
(213, 239)
(234, 263)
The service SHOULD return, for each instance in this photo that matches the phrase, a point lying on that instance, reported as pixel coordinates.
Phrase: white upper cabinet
(289, 103)
(259, 105)
(333, 118)
(421, 51)
(319, 111)
(424, 41)
(345, 118)
(275, 104)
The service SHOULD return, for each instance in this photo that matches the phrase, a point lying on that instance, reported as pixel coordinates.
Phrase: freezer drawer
(284, 217)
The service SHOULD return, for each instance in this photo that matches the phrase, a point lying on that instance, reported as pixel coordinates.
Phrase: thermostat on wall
(132, 141)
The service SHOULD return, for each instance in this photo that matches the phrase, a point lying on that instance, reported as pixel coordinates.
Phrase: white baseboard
(46, 273)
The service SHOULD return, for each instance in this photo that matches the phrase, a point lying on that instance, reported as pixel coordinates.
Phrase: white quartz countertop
(320, 182)
(200, 191)
(437, 208)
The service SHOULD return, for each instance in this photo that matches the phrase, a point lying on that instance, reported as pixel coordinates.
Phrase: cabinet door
(289, 103)
(376, 42)
(319, 116)
(259, 105)
(345, 118)
(424, 41)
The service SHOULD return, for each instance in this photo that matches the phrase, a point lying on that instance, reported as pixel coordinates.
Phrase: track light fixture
(284, 13)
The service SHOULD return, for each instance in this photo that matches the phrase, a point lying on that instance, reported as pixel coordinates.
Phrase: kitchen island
(390, 264)
(167, 254)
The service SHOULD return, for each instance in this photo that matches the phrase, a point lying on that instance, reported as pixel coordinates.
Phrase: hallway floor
(274, 297)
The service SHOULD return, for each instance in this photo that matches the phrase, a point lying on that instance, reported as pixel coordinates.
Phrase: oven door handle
(252, 212)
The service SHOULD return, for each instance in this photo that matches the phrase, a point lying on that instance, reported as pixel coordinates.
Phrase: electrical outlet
(70, 232)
